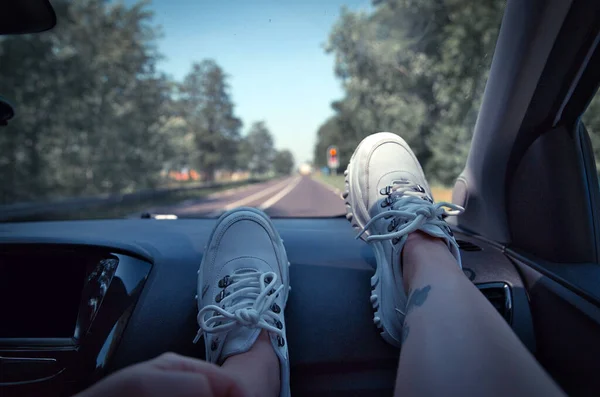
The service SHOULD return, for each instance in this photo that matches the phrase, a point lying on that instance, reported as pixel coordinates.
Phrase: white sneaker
(243, 286)
(387, 197)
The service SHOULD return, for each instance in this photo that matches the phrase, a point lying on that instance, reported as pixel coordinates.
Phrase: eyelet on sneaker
(268, 279)
(271, 292)
(395, 240)
(280, 341)
(275, 308)
(224, 282)
(278, 324)
(220, 296)
(385, 191)
(391, 226)
(386, 202)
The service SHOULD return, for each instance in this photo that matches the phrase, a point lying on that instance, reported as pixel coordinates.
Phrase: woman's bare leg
(454, 342)
(257, 370)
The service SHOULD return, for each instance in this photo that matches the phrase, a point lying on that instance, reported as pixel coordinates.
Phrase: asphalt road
(294, 196)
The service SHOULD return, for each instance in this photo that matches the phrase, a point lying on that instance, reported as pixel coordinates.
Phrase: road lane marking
(281, 194)
(252, 197)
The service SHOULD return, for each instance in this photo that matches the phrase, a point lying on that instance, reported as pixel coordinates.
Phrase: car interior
(529, 239)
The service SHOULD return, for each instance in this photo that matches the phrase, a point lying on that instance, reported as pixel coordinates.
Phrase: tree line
(414, 67)
(95, 115)
(417, 68)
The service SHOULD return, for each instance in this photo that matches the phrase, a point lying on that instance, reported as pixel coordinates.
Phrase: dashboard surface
(334, 347)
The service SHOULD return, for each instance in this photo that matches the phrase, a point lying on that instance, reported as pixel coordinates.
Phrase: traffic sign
(333, 160)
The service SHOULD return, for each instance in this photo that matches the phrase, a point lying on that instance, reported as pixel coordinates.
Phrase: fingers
(220, 380)
(148, 382)
(168, 375)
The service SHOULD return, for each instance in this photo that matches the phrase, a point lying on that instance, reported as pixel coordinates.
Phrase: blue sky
(273, 52)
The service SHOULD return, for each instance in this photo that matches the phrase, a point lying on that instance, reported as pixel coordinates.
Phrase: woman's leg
(243, 284)
(257, 370)
(454, 342)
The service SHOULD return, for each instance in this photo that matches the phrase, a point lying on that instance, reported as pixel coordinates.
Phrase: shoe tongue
(409, 206)
(234, 287)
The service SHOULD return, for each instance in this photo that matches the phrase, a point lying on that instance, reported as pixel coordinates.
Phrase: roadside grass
(129, 209)
(336, 181)
(440, 193)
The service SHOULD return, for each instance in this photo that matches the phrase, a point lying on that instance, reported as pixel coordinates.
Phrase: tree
(209, 112)
(258, 149)
(90, 104)
(283, 163)
(330, 134)
(417, 68)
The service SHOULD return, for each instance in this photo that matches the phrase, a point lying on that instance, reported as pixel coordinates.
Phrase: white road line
(256, 196)
(281, 194)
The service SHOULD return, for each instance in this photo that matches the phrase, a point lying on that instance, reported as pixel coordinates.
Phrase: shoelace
(249, 305)
(401, 194)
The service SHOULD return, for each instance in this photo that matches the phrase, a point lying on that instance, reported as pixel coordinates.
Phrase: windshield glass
(190, 108)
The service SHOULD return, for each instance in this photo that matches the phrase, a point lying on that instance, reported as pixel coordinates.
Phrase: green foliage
(416, 68)
(591, 120)
(283, 163)
(88, 111)
(93, 114)
(331, 134)
(88, 102)
(208, 110)
(258, 151)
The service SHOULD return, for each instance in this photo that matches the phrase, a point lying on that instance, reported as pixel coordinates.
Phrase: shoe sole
(376, 287)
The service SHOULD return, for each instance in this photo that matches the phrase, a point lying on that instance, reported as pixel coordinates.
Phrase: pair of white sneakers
(243, 280)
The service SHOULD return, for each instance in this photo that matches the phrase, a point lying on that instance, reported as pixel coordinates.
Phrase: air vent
(467, 246)
(499, 295)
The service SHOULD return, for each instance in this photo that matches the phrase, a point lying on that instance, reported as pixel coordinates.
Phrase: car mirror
(26, 16)
(7, 112)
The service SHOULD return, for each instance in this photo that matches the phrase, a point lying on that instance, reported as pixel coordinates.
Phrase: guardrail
(48, 209)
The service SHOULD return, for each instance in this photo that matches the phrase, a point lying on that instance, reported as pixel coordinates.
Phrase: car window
(591, 120)
(135, 107)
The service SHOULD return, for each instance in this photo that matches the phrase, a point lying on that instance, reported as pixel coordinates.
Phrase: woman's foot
(243, 286)
(388, 197)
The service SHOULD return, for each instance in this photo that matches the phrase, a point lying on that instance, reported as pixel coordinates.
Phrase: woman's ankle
(421, 252)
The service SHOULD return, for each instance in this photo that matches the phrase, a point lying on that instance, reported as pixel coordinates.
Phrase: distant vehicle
(305, 169)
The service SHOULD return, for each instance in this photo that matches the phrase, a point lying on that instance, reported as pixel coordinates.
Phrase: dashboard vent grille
(499, 295)
(468, 246)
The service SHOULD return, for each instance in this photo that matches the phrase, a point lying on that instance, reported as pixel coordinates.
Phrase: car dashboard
(82, 299)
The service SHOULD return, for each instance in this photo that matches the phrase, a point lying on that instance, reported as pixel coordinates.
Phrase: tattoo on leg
(417, 298)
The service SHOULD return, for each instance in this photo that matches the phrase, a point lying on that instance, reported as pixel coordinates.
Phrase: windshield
(190, 108)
